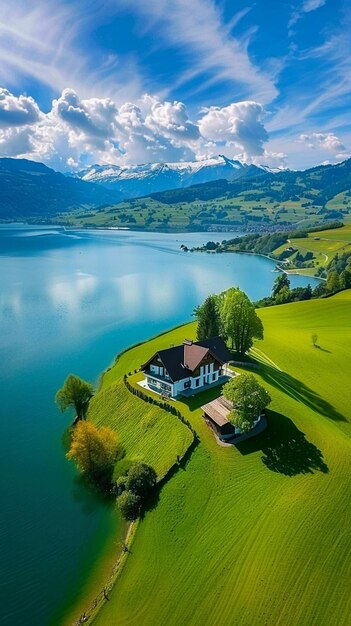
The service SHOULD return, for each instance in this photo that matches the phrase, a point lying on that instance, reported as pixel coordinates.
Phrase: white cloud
(325, 141)
(17, 111)
(312, 5)
(78, 132)
(50, 46)
(306, 7)
(198, 29)
(238, 125)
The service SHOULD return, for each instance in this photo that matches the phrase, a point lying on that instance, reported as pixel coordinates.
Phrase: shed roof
(218, 410)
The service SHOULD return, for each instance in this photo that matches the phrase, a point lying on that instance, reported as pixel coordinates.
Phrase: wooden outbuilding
(216, 413)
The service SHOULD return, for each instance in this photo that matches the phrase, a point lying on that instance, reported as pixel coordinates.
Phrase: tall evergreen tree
(280, 282)
(208, 321)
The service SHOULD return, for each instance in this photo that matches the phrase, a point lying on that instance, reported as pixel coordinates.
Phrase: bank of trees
(96, 453)
(231, 315)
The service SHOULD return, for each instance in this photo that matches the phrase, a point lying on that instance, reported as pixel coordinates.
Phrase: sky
(140, 81)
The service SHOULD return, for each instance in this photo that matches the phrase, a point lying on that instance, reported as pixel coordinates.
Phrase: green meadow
(257, 533)
(324, 245)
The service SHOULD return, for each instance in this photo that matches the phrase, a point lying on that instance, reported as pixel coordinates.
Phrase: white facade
(208, 375)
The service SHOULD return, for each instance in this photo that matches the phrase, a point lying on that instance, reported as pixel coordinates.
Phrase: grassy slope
(154, 214)
(330, 243)
(148, 433)
(257, 534)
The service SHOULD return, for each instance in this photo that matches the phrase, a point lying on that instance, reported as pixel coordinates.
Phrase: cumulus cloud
(325, 141)
(77, 132)
(93, 117)
(238, 125)
(17, 111)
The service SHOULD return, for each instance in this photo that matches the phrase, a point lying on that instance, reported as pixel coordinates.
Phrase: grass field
(152, 214)
(258, 533)
(324, 245)
(148, 433)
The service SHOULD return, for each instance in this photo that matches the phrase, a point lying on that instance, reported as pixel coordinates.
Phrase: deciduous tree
(129, 504)
(75, 393)
(93, 449)
(249, 399)
(240, 321)
(141, 479)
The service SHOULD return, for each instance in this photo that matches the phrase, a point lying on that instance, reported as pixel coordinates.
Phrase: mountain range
(140, 180)
(138, 196)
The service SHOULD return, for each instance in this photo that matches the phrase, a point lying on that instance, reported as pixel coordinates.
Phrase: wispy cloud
(198, 29)
(48, 46)
(306, 7)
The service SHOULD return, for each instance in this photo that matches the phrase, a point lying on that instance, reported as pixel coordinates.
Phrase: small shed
(216, 413)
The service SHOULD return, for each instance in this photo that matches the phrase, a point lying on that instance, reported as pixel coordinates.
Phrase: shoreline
(104, 586)
(292, 272)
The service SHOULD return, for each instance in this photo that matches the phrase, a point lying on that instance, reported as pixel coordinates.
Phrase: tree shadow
(300, 392)
(153, 499)
(285, 448)
(322, 349)
(89, 495)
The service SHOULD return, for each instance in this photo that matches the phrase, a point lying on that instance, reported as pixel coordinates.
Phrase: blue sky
(131, 81)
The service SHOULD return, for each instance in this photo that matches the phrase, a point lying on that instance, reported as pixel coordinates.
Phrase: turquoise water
(69, 302)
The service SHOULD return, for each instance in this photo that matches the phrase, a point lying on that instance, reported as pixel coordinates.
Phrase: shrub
(129, 504)
(141, 479)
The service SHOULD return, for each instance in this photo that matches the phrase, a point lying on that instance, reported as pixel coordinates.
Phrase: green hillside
(263, 202)
(258, 533)
(32, 190)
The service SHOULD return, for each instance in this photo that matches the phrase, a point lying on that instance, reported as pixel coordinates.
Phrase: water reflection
(71, 302)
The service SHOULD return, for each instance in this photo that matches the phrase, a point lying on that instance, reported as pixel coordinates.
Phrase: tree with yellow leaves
(94, 450)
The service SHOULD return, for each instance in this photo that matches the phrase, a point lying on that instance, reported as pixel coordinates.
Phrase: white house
(190, 366)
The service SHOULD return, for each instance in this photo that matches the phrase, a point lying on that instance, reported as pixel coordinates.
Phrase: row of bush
(162, 404)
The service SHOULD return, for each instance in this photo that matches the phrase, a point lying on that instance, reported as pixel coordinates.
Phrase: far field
(309, 254)
(258, 533)
(222, 213)
(324, 245)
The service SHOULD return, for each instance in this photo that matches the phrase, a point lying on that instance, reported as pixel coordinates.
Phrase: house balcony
(162, 379)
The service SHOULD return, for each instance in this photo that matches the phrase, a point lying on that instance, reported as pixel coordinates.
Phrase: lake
(69, 302)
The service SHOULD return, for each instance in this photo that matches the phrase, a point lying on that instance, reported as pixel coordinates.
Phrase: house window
(197, 382)
(187, 384)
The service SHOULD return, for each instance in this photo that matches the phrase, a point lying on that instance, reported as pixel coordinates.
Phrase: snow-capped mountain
(140, 180)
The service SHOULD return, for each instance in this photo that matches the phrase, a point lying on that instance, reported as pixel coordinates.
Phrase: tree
(208, 322)
(141, 479)
(129, 504)
(345, 279)
(94, 450)
(333, 282)
(282, 281)
(76, 393)
(240, 321)
(249, 399)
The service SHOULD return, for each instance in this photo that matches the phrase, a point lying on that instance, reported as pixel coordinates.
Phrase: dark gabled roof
(218, 348)
(173, 361)
(181, 361)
